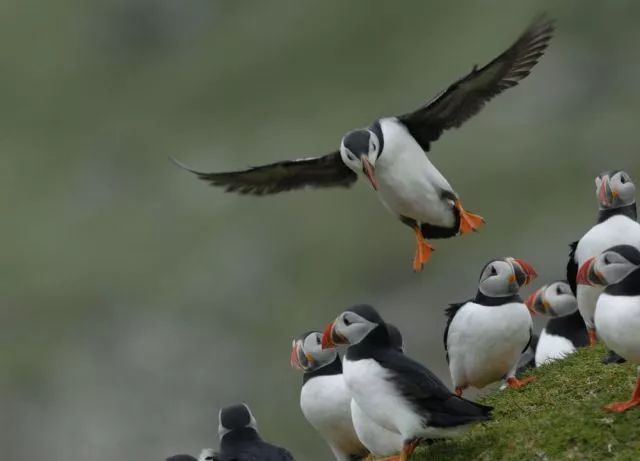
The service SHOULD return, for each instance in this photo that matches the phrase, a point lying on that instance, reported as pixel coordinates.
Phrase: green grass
(556, 417)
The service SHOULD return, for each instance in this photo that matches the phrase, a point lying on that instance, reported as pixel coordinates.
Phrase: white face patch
(497, 279)
(560, 299)
(613, 267)
(353, 327)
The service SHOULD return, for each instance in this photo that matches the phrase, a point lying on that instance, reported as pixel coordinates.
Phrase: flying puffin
(617, 316)
(395, 391)
(485, 336)
(324, 398)
(617, 225)
(239, 438)
(565, 330)
(391, 152)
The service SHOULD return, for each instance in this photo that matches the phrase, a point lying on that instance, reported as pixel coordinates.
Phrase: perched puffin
(378, 440)
(395, 391)
(485, 336)
(239, 438)
(565, 330)
(617, 225)
(391, 152)
(324, 398)
(617, 316)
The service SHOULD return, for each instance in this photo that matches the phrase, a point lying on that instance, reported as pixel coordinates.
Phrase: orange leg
(515, 383)
(593, 339)
(423, 250)
(619, 407)
(408, 448)
(459, 391)
(469, 222)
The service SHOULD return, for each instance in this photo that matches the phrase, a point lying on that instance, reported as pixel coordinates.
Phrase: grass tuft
(556, 417)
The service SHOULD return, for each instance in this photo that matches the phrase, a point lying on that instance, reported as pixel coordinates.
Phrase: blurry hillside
(135, 300)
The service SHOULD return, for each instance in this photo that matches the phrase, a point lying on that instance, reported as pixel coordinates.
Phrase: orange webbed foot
(515, 383)
(423, 251)
(469, 222)
(593, 338)
(619, 407)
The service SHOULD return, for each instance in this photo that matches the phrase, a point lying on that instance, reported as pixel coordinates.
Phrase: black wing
(450, 312)
(572, 268)
(467, 96)
(428, 394)
(326, 171)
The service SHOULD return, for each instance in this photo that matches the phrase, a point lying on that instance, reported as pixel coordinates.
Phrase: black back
(246, 445)
(181, 458)
(572, 268)
(569, 326)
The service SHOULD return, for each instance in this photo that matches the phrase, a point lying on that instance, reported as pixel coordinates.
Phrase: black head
(307, 353)
(181, 458)
(360, 150)
(367, 312)
(352, 326)
(235, 417)
(610, 267)
(503, 277)
(395, 337)
(615, 189)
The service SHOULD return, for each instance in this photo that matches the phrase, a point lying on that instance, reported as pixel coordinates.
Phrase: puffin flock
(360, 391)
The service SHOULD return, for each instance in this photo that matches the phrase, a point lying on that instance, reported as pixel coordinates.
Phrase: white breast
(617, 230)
(485, 342)
(377, 439)
(371, 388)
(326, 404)
(617, 320)
(408, 183)
(552, 347)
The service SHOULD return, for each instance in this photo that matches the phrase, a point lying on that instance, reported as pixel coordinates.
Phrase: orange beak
(327, 337)
(532, 300)
(293, 360)
(369, 171)
(583, 273)
(528, 270)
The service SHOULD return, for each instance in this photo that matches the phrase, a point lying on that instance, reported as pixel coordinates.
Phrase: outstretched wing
(326, 171)
(467, 96)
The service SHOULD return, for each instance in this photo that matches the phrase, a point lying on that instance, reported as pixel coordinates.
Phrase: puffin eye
(623, 180)
(606, 259)
(318, 341)
(493, 271)
(558, 290)
(346, 321)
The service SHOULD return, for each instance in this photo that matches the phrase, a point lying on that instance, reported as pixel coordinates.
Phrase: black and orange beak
(606, 194)
(331, 338)
(536, 302)
(369, 171)
(587, 275)
(524, 272)
(293, 360)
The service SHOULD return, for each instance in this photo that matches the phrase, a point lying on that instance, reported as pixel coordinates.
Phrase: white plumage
(617, 320)
(378, 440)
(552, 347)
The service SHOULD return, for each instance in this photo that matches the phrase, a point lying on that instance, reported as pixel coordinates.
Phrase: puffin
(391, 152)
(395, 391)
(616, 225)
(325, 400)
(565, 330)
(181, 457)
(207, 454)
(240, 440)
(617, 316)
(485, 336)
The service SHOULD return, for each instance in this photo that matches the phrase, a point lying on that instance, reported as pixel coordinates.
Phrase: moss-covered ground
(556, 417)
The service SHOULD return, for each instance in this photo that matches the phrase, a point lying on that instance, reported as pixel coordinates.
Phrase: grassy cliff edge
(556, 417)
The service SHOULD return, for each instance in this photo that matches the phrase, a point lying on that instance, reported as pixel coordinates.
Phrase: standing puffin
(391, 152)
(617, 316)
(325, 400)
(395, 391)
(485, 336)
(565, 330)
(617, 225)
(239, 438)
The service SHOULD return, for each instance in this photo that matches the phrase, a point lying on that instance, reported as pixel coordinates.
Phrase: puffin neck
(627, 210)
(485, 300)
(628, 286)
(378, 338)
(330, 369)
(238, 436)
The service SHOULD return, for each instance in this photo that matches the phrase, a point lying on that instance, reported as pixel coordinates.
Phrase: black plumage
(569, 326)
(181, 458)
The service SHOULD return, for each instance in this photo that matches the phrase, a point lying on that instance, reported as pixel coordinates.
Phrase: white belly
(485, 342)
(617, 230)
(552, 347)
(326, 404)
(408, 183)
(617, 320)
(370, 387)
(377, 439)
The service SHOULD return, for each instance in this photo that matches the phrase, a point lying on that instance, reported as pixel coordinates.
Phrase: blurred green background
(135, 300)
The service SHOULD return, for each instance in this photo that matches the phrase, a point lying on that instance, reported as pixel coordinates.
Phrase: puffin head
(359, 150)
(235, 417)
(555, 299)
(504, 276)
(615, 189)
(395, 338)
(352, 326)
(610, 267)
(307, 353)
